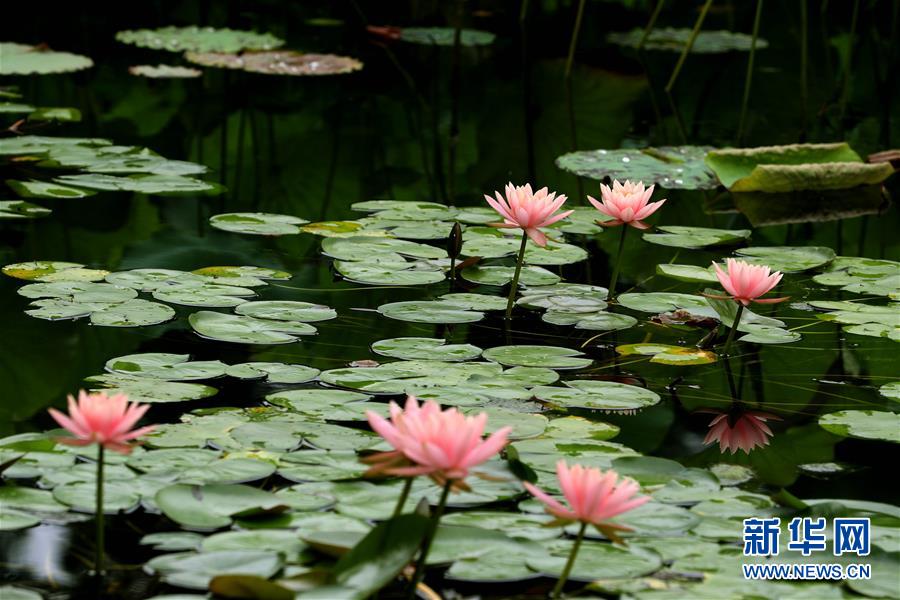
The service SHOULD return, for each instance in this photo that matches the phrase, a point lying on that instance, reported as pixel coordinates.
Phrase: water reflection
(38, 554)
(739, 428)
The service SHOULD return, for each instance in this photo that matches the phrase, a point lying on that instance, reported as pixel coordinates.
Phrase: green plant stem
(98, 517)
(419, 573)
(615, 274)
(651, 24)
(573, 42)
(688, 46)
(561, 583)
(748, 80)
(404, 494)
(515, 280)
(848, 73)
(804, 69)
(734, 326)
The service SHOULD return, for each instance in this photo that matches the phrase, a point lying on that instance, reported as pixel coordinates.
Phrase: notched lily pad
(865, 424)
(429, 311)
(257, 223)
(670, 167)
(789, 259)
(669, 355)
(552, 357)
(444, 36)
(679, 236)
(425, 348)
(597, 395)
(19, 209)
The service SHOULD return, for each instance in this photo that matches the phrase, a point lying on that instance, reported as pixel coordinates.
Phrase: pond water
(641, 383)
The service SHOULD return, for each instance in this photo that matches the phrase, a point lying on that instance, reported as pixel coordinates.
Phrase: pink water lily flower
(739, 431)
(528, 210)
(428, 441)
(746, 283)
(100, 419)
(627, 203)
(593, 496)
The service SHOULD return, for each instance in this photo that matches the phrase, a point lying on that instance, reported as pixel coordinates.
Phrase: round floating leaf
(890, 390)
(425, 311)
(475, 301)
(82, 496)
(199, 39)
(669, 355)
(320, 465)
(387, 274)
(521, 525)
(554, 254)
(695, 237)
(865, 424)
(286, 310)
(133, 313)
(524, 425)
(22, 59)
(29, 499)
(59, 309)
(196, 571)
(425, 348)
(247, 330)
(657, 302)
(40, 270)
(671, 167)
(213, 506)
(404, 205)
(687, 273)
(595, 561)
(597, 395)
(150, 280)
(278, 62)
(597, 321)
(162, 185)
(789, 259)
(257, 223)
(552, 357)
(273, 372)
(209, 295)
(19, 209)
(444, 36)
(145, 389)
(44, 189)
(246, 276)
(363, 248)
(763, 334)
(673, 40)
(10, 520)
(172, 367)
(164, 71)
(78, 291)
(495, 275)
(285, 542)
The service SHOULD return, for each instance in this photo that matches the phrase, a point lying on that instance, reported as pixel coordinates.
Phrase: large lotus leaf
(672, 39)
(789, 259)
(146, 389)
(680, 236)
(46, 189)
(162, 185)
(19, 209)
(425, 348)
(429, 311)
(597, 395)
(409, 273)
(273, 372)
(499, 276)
(133, 313)
(162, 71)
(554, 253)
(257, 223)
(865, 424)
(552, 357)
(199, 39)
(171, 367)
(286, 310)
(794, 167)
(670, 167)
(213, 506)
(209, 295)
(22, 59)
(247, 330)
(445, 36)
(278, 62)
(595, 561)
(116, 160)
(196, 570)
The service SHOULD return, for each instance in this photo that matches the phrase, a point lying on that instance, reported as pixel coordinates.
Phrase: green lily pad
(19, 209)
(596, 321)
(133, 313)
(657, 302)
(207, 295)
(407, 273)
(286, 310)
(196, 570)
(552, 357)
(162, 185)
(46, 189)
(890, 390)
(794, 167)
(444, 36)
(865, 424)
(595, 561)
(687, 273)
(149, 390)
(257, 223)
(199, 39)
(863, 276)
(362, 248)
(695, 237)
(151, 280)
(11, 520)
(500, 276)
(425, 348)
(162, 71)
(278, 62)
(171, 367)
(78, 291)
(670, 167)
(213, 506)
(246, 276)
(788, 259)
(247, 330)
(597, 395)
(273, 372)
(61, 114)
(22, 59)
(81, 496)
(425, 311)
(672, 39)
(471, 301)
(669, 355)
(46, 270)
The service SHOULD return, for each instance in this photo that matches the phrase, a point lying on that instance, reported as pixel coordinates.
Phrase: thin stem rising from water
(404, 494)
(514, 285)
(748, 80)
(419, 573)
(98, 516)
(615, 274)
(561, 583)
(734, 326)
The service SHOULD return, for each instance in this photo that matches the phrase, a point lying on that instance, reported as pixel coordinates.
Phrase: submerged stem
(561, 583)
(748, 80)
(98, 516)
(615, 274)
(515, 280)
(734, 326)
(404, 494)
(688, 46)
(419, 573)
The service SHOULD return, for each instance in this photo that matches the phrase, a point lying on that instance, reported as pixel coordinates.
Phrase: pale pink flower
(744, 430)
(427, 441)
(100, 419)
(593, 496)
(626, 203)
(746, 283)
(528, 210)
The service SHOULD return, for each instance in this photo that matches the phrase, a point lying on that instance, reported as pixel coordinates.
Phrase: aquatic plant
(739, 429)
